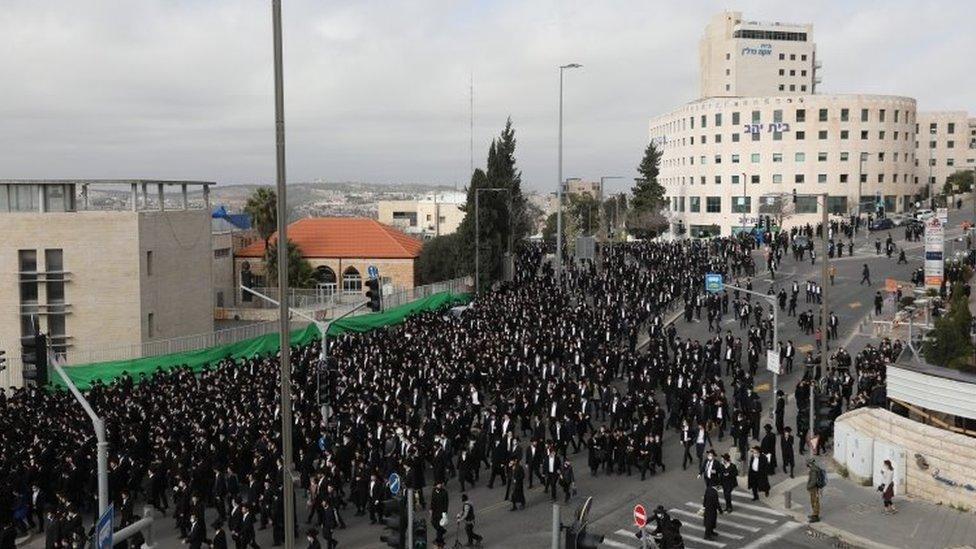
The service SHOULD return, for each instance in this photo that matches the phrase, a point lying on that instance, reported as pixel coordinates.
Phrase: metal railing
(401, 296)
(302, 298)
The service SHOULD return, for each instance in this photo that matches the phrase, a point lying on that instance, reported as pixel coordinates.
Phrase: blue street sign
(103, 529)
(713, 282)
(372, 271)
(394, 482)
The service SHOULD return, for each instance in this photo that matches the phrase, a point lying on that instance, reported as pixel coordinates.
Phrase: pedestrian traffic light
(3, 360)
(374, 294)
(420, 533)
(794, 196)
(395, 522)
(33, 355)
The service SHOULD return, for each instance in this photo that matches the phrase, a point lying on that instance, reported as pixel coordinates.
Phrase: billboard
(934, 248)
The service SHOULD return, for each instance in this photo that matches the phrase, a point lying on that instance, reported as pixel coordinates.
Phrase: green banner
(83, 375)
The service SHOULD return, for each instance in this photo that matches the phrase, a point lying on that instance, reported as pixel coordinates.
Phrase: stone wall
(940, 466)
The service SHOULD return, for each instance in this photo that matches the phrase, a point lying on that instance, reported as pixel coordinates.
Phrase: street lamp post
(559, 200)
(288, 485)
(743, 205)
(860, 180)
(477, 231)
(931, 163)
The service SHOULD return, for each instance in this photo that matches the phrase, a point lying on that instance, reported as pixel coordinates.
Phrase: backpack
(821, 478)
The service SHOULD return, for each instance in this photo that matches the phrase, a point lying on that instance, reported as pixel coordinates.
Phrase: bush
(440, 259)
(948, 345)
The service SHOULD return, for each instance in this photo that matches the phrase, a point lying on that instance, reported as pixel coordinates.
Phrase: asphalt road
(751, 526)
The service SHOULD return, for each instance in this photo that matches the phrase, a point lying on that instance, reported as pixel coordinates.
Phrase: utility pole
(288, 485)
(824, 309)
(559, 188)
(101, 442)
(471, 128)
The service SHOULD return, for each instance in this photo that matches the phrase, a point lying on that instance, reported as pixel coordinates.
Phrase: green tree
(440, 259)
(644, 217)
(300, 274)
(504, 215)
(959, 182)
(585, 212)
(948, 345)
(262, 206)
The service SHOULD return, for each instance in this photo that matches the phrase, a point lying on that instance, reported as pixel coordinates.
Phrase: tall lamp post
(477, 231)
(559, 192)
(288, 485)
(743, 205)
(860, 180)
(931, 163)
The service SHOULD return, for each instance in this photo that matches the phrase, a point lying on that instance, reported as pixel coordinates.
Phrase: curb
(776, 496)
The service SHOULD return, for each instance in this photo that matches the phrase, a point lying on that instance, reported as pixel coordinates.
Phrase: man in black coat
(198, 533)
(313, 539)
(758, 473)
(729, 480)
(712, 509)
(768, 448)
(786, 445)
(438, 510)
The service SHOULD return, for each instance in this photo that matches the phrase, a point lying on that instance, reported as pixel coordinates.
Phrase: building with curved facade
(728, 160)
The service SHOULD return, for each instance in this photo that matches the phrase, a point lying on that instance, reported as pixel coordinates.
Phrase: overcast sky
(378, 91)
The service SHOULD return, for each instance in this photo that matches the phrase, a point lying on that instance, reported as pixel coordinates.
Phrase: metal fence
(399, 297)
(301, 298)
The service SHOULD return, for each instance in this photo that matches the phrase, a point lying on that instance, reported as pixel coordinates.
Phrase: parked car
(882, 224)
(924, 214)
(898, 219)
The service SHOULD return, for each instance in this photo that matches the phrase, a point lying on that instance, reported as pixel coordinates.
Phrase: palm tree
(300, 273)
(262, 205)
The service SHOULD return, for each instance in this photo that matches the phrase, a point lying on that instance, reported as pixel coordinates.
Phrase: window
(792, 87)
(755, 136)
(54, 267)
(702, 161)
(799, 157)
(718, 119)
(782, 72)
(221, 253)
(950, 144)
(881, 135)
(735, 159)
(149, 263)
(718, 159)
(880, 178)
(777, 178)
(782, 56)
(23, 198)
(881, 115)
(718, 138)
(803, 87)
(821, 178)
(718, 179)
(881, 157)
(54, 198)
(801, 115)
(897, 112)
(704, 120)
(822, 134)
(821, 157)
(837, 205)
(950, 161)
(755, 117)
(735, 118)
(735, 138)
(803, 57)
(843, 178)
(864, 135)
(778, 115)
(800, 136)
(151, 325)
(27, 260)
(792, 57)
(728, 56)
(735, 180)
(777, 157)
(806, 204)
(844, 157)
(755, 179)
(844, 134)
(803, 72)
(352, 282)
(845, 115)
(931, 144)
(755, 158)
(823, 115)
(694, 204)
(713, 204)
(951, 128)
(798, 178)
(741, 204)
(864, 115)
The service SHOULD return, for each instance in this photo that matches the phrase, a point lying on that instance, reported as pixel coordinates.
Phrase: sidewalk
(852, 513)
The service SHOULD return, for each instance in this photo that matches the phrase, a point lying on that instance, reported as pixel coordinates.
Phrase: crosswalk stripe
(612, 543)
(743, 515)
(702, 528)
(784, 529)
(700, 540)
(723, 521)
(753, 507)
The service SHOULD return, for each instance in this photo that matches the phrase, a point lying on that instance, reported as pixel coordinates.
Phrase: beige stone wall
(960, 156)
(100, 254)
(401, 272)
(223, 269)
(179, 290)
(951, 454)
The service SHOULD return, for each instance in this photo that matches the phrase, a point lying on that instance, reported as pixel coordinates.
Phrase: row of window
(743, 204)
(54, 307)
(798, 157)
(823, 115)
(799, 135)
(753, 34)
(798, 178)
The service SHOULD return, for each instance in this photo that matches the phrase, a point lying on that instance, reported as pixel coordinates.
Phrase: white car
(924, 214)
(898, 219)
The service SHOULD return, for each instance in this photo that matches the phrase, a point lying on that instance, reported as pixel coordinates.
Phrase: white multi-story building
(943, 146)
(759, 133)
(743, 58)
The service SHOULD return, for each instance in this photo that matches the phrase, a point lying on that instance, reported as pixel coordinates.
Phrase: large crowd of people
(528, 375)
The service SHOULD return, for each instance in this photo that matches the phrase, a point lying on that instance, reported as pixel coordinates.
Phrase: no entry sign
(640, 516)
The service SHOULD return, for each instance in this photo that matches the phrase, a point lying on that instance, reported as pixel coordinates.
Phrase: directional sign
(713, 282)
(372, 271)
(640, 516)
(772, 361)
(394, 482)
(103, 528)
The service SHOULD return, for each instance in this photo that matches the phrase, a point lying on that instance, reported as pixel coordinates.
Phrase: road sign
(934, 247)
(640, 516)
(372, 271)
(713, 282)
(394, 482)
(103, 528)
(943, 215)
(772, 361)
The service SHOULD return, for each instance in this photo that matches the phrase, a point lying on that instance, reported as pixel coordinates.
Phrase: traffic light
(578, 538)
(395, 522)
(794, 196)
(33, 353)
(419, 533)
(374, 294)
(3, 360)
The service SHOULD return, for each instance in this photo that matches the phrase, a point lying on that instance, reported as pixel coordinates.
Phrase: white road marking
(776, 534)
(612, 543)
(758, 508)
(724, 521)
(743, 515)
(705, 541)
(702, 528)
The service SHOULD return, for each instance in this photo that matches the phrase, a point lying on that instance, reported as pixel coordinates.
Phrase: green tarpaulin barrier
(84, 375)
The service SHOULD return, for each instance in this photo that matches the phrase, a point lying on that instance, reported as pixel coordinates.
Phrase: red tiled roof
(328, 237)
